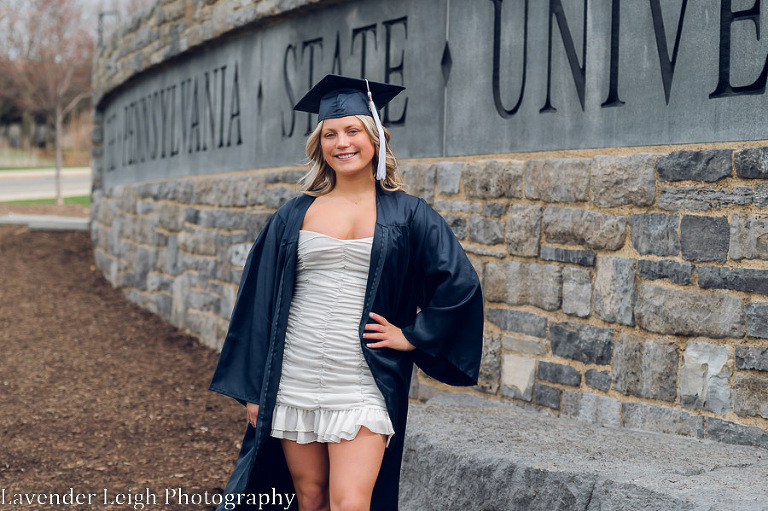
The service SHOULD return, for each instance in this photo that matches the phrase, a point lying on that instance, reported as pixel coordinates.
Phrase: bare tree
(46, 55)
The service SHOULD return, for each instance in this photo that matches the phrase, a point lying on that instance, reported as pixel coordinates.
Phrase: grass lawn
(82, 200)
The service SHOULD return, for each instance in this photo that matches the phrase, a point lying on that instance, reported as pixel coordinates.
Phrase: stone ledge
(463, 452)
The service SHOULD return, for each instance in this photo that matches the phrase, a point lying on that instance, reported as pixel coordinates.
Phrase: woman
(346, 287)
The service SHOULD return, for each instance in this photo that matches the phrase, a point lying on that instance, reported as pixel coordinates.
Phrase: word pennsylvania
(140, 500)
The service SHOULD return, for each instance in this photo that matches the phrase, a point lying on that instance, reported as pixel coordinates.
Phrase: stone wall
(627, 291)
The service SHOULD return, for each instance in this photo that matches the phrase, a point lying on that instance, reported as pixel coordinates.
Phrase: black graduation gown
(419, 279)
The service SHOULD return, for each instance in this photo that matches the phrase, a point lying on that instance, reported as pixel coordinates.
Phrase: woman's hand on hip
(385, 334)
(252, 411)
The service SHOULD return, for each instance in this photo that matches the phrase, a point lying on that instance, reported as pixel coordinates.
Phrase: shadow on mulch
(97, 394)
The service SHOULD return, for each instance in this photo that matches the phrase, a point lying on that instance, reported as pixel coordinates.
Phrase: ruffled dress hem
(329, 426)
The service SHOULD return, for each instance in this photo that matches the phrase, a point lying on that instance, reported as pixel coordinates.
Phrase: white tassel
(381, 169)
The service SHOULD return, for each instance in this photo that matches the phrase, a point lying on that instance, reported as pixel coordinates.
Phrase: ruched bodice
(326, 388)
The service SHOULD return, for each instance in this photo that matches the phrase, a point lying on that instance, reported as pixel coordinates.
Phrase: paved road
(41, 183)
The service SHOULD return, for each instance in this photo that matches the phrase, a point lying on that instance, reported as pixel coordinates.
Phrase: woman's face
(346, 146)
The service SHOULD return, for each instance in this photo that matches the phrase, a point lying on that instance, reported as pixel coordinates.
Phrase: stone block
(413, 389)
(491, 179)
(615, 292)
(239, 254)
(229, 192)
(161, 304)
(675, 271)
(458, 225)
(522, 345)
(546, 395)
(228, 294)
(255, 189)
(559, 373)
(732, 433)
(170, 257)
(145, 231)
(146, 207)
(709, 166)
(577, 291)
(457, 206)
(704, 198)
(523, 230)
(276, 196)
(623, 180)
(572, 226)
(198, 241)
(600, 380)
(688, 312)
(757, 320)
(557, 180)
(159, 282)
(662, 419)
(645, 368)
(428, 388)
(753, 358)
(567, 255)
(585, 343)
(760, 196)
(517, 374)
(478, 265)
(592, 408)
(749, 237)
(518, 321)
(517, 283)
(448, 177)
(705, 377)
(180, 293)
(203, 301)
(750, 395)
(490, 364)
(485, 231)
(494, 209)
(655, 234)
(751, 162)
(226, 219)
(419, 180)
(171, 217)
(737, 279)
(704, 238)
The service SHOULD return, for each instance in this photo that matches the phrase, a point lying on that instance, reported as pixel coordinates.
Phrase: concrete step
(468, 453)
(47, 222)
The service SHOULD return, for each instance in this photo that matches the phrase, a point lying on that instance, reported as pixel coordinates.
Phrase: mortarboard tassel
(381, 168)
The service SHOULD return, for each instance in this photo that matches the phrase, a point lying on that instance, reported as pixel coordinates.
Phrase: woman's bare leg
(354, 466)
(308, 465)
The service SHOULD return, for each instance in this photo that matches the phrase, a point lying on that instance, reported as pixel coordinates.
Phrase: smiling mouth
(345, 156)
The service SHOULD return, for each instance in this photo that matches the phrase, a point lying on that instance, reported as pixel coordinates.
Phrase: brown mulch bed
(96, 393)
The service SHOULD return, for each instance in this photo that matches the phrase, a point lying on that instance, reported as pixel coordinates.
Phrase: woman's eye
(354, 132)
(328, 135)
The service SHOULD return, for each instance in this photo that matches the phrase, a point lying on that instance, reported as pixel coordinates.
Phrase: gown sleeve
(448, 330)
(240, 369)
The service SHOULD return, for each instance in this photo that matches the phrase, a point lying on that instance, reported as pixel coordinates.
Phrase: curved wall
(628, 290)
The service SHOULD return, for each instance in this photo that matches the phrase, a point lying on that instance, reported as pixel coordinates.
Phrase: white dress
(326, 388)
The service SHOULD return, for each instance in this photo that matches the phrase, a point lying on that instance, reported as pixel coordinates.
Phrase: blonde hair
(321, 178)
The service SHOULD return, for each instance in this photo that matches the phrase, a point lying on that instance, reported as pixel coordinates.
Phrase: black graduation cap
(339, 96)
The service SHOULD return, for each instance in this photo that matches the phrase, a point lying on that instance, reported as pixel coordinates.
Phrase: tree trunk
(27, 130)
(57, 138)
